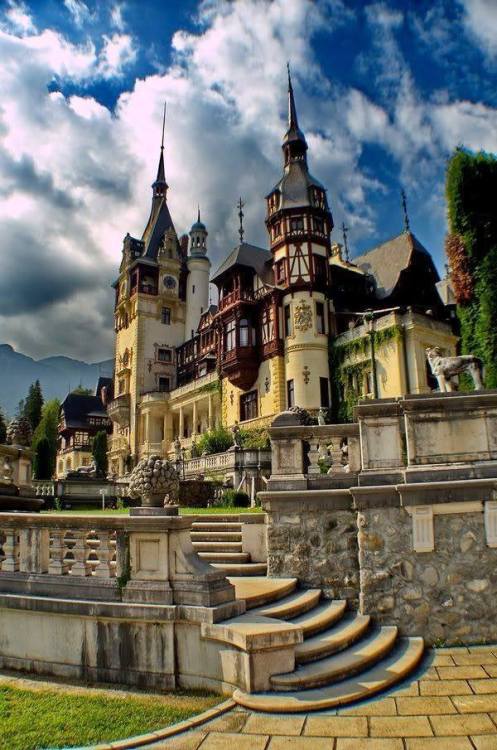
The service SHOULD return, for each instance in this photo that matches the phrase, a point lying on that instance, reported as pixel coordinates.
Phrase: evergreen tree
(48, 428)
(33, 405)
(3, 428)
(99, 451)
(43, 463)
(82, 391)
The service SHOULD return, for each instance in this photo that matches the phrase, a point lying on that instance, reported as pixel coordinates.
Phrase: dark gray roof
(246, 255)
(387, 261)
(159, 222)
(294, 185)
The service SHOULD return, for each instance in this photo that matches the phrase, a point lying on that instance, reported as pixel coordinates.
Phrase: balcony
(241, 365)
(118, 410)
(183, 390)
(232, 298)
(154, 396)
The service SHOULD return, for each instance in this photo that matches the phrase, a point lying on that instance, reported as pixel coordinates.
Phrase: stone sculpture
(445, 368)
(7, 471)
(237, 437)
(19, 432)
(152, 480)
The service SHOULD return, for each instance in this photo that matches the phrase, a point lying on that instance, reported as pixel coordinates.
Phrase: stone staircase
(218, 540)
(343, 657)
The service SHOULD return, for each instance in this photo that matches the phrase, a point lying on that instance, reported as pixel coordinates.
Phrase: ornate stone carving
(152, 479)
(445, 368)
(306, 373)
(302, 317)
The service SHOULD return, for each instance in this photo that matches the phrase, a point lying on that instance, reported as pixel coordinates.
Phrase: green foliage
(235, 499)
(33, 405)
(471, 187)
(67, 718)
(99, 452)
(343, 396)
(81, 391)
(47, 428)
(43, 463)
(217, 440)
(256, 438)
(3, 428)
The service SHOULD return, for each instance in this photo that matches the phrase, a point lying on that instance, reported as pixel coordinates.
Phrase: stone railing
(182, 390)
(302, 454)
(135, 559)
(43, 488)
(209, 464)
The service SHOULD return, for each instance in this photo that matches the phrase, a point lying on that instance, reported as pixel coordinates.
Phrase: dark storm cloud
(22, 175)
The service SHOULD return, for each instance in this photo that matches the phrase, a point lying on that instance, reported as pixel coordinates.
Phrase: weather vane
(345, 242)
(240, 206)
(163, 127)
(404, 208)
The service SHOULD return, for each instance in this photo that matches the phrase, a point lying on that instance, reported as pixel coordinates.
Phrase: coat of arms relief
(302, 317)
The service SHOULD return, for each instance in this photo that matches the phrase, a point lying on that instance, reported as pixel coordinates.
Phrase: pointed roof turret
(160, 185)
(294, 143)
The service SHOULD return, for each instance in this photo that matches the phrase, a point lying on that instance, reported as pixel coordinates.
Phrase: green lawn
(31, 719)
(85, 510)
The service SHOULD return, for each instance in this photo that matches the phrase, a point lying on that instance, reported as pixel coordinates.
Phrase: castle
(297, 324)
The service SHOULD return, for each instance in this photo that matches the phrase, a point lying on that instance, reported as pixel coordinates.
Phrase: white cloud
(117, 53)
(480, 18)
(79, 11)
(18, 19)
(116, 17)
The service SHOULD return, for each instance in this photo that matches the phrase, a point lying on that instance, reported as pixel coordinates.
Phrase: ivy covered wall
(471, 247)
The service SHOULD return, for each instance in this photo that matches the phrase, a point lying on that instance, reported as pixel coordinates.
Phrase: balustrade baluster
(58, 565)
(313, 456)
(105, 553)
(80, 566)
(11, 551)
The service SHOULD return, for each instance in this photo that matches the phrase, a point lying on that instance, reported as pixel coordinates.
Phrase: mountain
(57, 376)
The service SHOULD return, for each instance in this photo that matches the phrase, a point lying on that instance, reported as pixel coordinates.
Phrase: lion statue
(444, 368)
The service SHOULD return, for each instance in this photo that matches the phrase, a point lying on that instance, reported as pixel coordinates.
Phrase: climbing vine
(344, 377)
(471, 246)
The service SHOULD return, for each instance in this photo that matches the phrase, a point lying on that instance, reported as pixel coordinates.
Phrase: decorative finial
(198, 216)
(404, 208)
(289, 76)
(241, 230)
(345, 241)
(163, 127)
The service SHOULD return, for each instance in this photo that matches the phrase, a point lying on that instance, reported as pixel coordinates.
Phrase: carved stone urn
(156, 481)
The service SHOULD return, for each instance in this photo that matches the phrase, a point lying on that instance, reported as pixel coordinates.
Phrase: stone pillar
(181, 423)
(210, 412)
(194, 418)
(147, 427)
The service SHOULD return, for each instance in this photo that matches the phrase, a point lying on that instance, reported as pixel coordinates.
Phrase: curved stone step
(216, 518)
(292, 606)
(330, 641)
(259, 591)
(217, 546)
(321, 617)
(215, 536)
(390, 670)
(242, 569)
(339, 666)
(225, 557)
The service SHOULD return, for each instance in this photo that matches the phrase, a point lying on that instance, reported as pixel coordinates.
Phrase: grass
(87, 511)
(36, 718)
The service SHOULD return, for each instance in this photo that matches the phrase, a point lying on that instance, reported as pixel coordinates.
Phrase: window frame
(165, 317)
(249, 406)
(290, 393)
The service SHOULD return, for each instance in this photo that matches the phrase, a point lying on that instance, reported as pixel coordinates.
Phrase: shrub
(43, 463)
(99, 452)
(235, 499)
(215, 441)
(257, 438)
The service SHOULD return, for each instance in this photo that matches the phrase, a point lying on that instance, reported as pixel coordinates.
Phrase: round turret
(197, 285)
(198, 239)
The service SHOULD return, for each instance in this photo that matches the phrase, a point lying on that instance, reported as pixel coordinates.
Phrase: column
(194, 419)
(181, 423)
(147, 427)
(209, 407)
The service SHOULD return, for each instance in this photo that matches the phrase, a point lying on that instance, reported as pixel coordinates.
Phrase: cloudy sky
(385, 90)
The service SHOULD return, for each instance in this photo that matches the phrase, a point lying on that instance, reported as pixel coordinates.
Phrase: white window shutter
(491, 522)
(422, 528)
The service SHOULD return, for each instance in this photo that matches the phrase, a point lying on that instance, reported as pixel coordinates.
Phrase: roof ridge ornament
(240, 205)
(345, 241)
(404, 209)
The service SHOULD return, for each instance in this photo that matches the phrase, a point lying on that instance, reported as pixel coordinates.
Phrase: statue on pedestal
(445, 368)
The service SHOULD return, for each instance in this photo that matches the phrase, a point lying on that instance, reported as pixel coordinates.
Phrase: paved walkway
(451, 703)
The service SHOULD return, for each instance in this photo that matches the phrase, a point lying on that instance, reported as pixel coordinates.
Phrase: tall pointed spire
(294, 143)
(404, 210)
(160, 185)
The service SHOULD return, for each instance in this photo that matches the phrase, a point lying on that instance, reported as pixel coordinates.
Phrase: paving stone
(483, 686)
(439, 743)
(424, 705)
(467, 704)
(301, 743)
(430, 674)
(446, 687)
(228, 741)
(491, 670)
(478, 649)
(455, 724)
(452, 650)
(187, 741)
(232, 721)
(461, 673)
(479, 657)
(412, 689)
(336, 726)
(484, 742)
(258, 723)
(443, 660)
(400, 726)
(385, 707)
(350, 743)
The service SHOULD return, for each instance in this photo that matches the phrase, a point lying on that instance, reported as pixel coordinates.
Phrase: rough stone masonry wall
(445, 595)
(317, 546)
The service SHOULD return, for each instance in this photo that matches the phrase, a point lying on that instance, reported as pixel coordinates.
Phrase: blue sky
(385, 91)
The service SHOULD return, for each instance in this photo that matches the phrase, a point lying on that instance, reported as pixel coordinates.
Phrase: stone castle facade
(183, 366)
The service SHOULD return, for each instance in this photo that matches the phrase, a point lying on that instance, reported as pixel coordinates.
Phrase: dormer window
(318, 225)
(164, 355)
(297, 224)
(280, 271)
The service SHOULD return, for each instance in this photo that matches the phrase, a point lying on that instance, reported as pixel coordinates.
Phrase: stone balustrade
(43, 488)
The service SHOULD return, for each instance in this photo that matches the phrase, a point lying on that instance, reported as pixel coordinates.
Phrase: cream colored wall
(71, 461)
(269, 403)
(196, 301)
